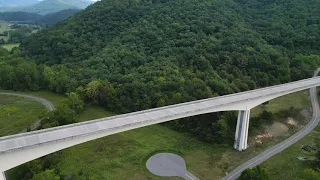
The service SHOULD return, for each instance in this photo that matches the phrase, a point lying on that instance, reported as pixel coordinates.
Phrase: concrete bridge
(21, 148)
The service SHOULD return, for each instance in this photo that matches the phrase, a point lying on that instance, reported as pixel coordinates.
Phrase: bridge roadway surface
(17, 149)
(234, 174)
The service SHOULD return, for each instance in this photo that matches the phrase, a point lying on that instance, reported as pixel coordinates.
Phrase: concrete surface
(168, 165)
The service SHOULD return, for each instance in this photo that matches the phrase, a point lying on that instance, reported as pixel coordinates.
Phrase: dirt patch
(292, 122)
(261, 137)
(277, 129)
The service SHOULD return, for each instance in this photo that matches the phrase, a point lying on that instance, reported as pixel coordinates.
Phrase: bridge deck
(20, 141)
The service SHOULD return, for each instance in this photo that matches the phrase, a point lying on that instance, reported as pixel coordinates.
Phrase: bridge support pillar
(241, 136)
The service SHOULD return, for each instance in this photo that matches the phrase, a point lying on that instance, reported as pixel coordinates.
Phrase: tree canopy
(134, 55)
(256, 173)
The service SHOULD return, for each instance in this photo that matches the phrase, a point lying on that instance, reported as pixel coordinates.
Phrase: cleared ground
(17, 113)
(123, 156)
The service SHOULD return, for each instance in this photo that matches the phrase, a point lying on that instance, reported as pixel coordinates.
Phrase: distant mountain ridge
(9, 3)
(43, 7)
(53, 18)
(32, 18)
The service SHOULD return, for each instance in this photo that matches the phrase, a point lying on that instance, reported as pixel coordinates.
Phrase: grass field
(23, 112)
(123, 156)
(17, 113)
(53, 97)
(298, 100)
(285, 165)
(9, 47)
(4, 26)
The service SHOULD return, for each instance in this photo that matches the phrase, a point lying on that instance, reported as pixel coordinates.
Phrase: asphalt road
(285, 144)
(43, 101)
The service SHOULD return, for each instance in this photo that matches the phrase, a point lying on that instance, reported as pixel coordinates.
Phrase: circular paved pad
(167, 164)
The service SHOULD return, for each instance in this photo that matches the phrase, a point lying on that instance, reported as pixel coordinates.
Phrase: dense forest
(133, 55)
(162, 52)
(53, 18)
(36, 19)
(20, 17)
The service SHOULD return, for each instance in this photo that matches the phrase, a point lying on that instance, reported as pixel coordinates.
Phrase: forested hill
(32, 18)
(236, 39)
(194, 48)
(20, 17)
(132, 55)
(53, 18)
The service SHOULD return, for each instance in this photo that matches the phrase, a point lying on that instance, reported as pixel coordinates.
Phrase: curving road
(43, 101)
(234, 174)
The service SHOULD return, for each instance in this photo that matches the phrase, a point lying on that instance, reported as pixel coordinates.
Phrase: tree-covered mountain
(49, 6)
(53, 18)
(143, 54)
(19, 16)
(36, 19)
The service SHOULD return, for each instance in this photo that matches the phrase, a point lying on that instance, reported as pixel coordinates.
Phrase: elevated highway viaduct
(21, 148)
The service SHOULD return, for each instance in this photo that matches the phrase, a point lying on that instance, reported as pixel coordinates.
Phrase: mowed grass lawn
(17, 113)
(123, 156)
(9, 47)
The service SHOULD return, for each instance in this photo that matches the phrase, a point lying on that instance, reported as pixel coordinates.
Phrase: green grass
(9, 47)
(4, 26)
(52, 97)
(285, 165)
(17, 113)
(298, 100)
(23, 112)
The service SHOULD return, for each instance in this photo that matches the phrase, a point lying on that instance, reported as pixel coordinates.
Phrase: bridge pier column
(241, 136)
